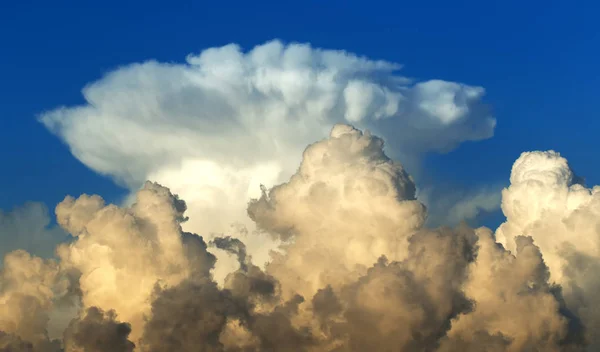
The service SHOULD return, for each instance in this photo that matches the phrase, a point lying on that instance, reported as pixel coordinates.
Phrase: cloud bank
(357, 269)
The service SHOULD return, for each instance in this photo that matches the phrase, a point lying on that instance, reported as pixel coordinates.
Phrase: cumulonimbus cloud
(354, 266)
(214, 128)
(357, 271)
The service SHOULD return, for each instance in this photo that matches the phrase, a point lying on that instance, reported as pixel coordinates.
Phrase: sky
(537, 61)
(256, 114)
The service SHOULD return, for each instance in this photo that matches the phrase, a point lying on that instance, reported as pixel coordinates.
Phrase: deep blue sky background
(538, 61)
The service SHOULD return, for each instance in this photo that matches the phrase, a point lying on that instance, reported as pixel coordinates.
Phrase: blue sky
(537, 61)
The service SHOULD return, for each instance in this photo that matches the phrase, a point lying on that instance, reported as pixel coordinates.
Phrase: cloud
(354, 261)
(357, 269)
(346, 206)
(28, 227)
(516, 309)
(214, 128)
(451, 206)
(121, 253)
(546, 201)
(28, 286)
(98, 331)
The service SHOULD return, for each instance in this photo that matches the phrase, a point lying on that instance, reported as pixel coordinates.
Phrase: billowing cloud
(28, 286)
(121, 254)
(347, 205)
(98, 331)
(214, 128)
(357, 269)
(547, 201)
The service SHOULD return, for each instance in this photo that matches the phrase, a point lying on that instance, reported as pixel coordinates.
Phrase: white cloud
(215, 127)
(545, 201)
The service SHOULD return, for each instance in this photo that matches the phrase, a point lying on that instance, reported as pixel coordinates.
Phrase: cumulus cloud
(98, 331)
(514, 302)
(357, 268)
(347, 205)
(121, 254)
(214, 128)
(28, 286)
(547, 201)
